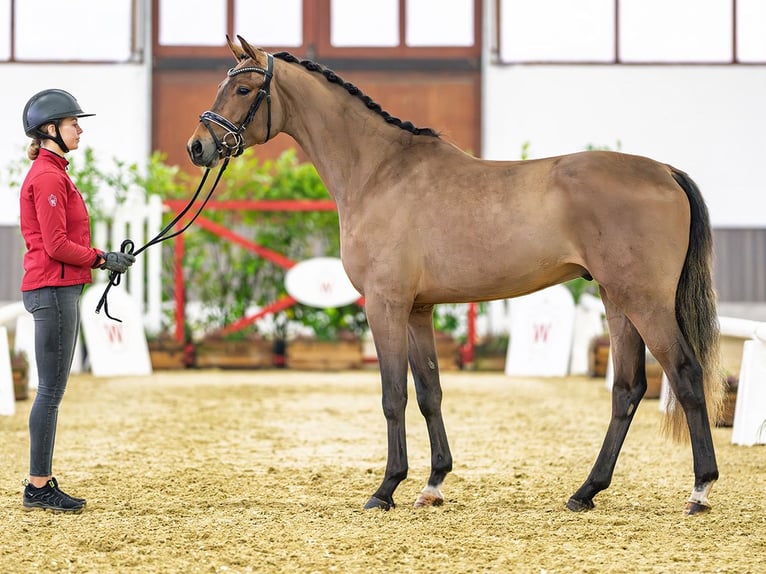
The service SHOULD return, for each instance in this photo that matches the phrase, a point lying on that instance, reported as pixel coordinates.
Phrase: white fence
(139, 222)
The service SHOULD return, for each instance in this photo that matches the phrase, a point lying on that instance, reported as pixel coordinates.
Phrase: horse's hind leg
(425, 371)
(685, 376)
(628, 355)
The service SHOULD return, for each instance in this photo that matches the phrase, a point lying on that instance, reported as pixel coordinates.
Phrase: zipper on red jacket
(62, 270)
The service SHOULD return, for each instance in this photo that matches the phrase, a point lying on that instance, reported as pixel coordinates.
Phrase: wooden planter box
(252, 354)
(310, 354)
(598, 360)
(21, 384)
(729, 403)
(447, 353)
(490, 355)
(489, 363)
(598, 356)
(167, 354)
(20, 370)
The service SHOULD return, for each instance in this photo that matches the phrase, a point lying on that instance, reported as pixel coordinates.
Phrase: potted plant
(490, 352)
(166, 352)
(331, 339)
(449, 334)
(235, 351)
(227, 280)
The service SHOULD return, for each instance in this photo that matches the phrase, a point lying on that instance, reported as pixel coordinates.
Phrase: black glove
(118, 261)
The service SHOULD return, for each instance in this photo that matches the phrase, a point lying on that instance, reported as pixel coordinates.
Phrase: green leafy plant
(229, 279)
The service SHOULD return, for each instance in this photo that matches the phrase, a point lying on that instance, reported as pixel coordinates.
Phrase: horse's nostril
(196, 148)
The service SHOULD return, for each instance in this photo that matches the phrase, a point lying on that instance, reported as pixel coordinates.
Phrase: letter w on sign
(541, 332)
(114, 333)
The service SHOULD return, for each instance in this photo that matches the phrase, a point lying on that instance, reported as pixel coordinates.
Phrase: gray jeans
(56, 312)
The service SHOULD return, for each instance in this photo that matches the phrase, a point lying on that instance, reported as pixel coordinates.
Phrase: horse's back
(469, 229)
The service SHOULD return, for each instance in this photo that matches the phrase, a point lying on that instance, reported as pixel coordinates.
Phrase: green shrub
(228, 279)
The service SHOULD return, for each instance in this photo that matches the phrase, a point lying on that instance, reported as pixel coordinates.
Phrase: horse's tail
(696, 311)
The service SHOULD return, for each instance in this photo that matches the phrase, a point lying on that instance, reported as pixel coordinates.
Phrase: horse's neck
(335, 132)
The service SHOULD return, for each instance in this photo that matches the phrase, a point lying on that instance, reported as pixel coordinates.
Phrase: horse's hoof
(429, 497)
(693, 508)
(376, 502)
(578, 505)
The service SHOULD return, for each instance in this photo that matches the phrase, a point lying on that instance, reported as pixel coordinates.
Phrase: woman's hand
(118, 261)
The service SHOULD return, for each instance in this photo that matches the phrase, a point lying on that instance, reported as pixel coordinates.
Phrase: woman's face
(70, 131)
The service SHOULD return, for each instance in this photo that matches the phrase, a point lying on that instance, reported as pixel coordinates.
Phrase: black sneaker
(56, 486)
(50, 498)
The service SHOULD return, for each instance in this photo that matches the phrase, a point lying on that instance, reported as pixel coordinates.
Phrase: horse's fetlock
(399, 476)
(706, 479)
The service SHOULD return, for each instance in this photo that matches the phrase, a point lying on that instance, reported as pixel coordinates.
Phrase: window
(751, 31)
(180, 23)
(437, 29)
(631, 31)
(557, 31)
(364, 23)
(5, 30)
(75, 30)
(439, 23)
(676, 31)
(270, 23)
(377, 23)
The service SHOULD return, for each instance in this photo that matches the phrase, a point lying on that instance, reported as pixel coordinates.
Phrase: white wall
(117, 93)
(709, 121)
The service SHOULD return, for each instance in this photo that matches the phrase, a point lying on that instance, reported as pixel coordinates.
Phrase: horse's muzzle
(201, 153)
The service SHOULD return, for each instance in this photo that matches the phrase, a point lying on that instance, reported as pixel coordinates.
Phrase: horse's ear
(239, 53)
(247, 47)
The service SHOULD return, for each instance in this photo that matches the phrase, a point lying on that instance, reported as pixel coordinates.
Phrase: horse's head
(241, 115)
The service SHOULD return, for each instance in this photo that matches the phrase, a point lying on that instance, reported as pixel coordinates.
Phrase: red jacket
(55, 226)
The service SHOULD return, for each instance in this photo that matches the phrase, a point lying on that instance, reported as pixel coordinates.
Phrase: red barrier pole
(466, 352)
(179, 288)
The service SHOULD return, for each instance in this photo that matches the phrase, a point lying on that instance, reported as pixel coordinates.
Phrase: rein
(230, 145)
(128, 245)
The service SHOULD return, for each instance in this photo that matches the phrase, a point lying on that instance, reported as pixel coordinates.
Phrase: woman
(57, 265)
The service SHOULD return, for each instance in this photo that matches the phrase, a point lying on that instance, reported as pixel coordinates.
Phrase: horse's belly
(485, 282)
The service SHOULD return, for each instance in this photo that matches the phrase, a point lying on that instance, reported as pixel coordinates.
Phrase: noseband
(232, 143)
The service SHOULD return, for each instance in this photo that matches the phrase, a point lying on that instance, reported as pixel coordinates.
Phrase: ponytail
(34, 149)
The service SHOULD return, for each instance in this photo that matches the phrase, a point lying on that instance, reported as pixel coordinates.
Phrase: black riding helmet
(50, 106)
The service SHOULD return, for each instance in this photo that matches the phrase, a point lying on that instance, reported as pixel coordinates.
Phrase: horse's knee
(430, 402)
(394, 400)
(393, 408)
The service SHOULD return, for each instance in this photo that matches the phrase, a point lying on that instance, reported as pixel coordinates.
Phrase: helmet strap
(57, 138)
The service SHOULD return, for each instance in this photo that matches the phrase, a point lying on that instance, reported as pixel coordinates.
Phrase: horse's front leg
(629, 356)
(425, 371)
(388, 324)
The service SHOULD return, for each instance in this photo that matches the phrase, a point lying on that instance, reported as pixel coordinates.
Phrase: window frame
(137, 52)
(316, 39)
(616, 60)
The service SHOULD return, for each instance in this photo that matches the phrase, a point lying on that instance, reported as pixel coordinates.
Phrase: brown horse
(423, 223)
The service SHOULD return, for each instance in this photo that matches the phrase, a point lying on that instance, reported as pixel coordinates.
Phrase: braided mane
(331, 76)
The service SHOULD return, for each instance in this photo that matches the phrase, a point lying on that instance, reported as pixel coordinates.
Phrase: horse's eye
(243, 91)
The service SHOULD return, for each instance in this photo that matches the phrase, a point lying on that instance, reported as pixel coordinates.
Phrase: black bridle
(232, 143)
